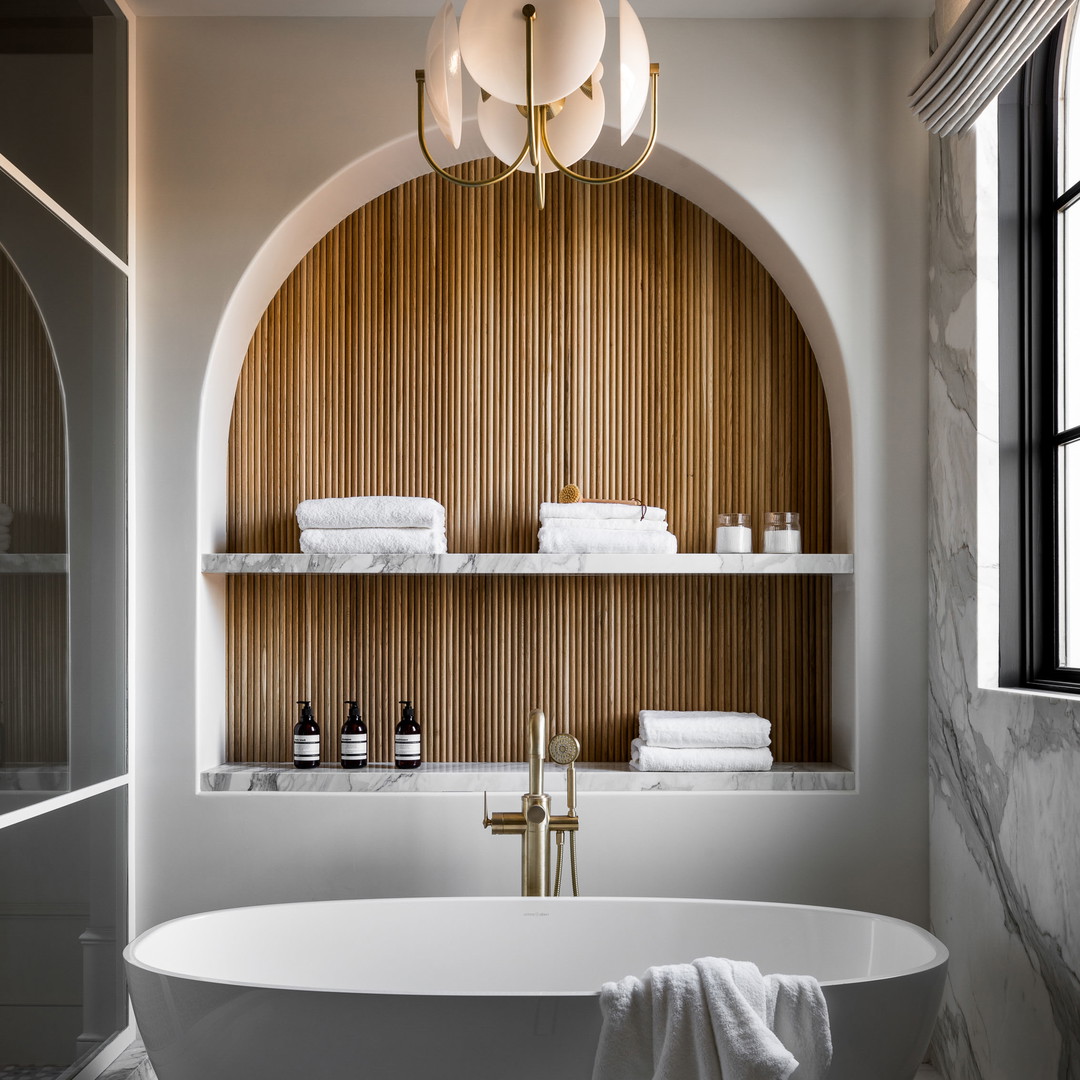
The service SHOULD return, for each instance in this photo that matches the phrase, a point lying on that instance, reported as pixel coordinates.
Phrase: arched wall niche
(399, 161)
(783, 682)
(33, 486)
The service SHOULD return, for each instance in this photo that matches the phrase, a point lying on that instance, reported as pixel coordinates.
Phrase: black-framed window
(1039, 298)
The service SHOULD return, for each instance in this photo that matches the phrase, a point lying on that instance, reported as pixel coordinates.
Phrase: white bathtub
(495, 989)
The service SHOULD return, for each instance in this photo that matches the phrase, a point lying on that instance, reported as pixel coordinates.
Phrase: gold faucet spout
(537, 741)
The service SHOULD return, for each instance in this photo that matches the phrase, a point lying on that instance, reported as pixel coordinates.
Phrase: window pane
(1069, 553)
(63, 925)
(1068, 410)
(1070, 107)
(63, 102)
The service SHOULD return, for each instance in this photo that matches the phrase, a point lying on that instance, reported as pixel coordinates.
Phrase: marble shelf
(525, 564)
(33, 564)
(435, 778)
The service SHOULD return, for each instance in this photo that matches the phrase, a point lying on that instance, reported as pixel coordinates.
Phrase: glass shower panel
(63, 107)
(64, 622)
(63, 925)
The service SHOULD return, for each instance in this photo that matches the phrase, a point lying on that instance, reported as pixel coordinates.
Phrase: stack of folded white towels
(607, 528)
(372, 525)
(701, 742)
(6, 517)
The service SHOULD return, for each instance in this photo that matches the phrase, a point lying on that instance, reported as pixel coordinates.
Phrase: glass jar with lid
(782, 533)
(733, 534)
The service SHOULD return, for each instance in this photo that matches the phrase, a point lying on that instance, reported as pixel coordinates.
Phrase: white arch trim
(398, 161)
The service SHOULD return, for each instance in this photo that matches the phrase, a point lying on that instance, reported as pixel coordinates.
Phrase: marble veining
(525, 563)
(1004, 765)
(514, 777)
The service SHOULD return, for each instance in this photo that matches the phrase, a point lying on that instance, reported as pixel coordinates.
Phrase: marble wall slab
(1004, 766)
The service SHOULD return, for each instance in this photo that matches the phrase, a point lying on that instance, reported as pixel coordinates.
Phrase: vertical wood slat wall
(33, 607)
(468, 347)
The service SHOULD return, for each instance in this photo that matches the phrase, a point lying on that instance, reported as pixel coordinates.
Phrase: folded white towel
(371, 512)
(373, 542)
(618, 524)
(658, 727)
(606, 541)
(647, 758)
(712, 1020)
(6, 514)
(601, 510)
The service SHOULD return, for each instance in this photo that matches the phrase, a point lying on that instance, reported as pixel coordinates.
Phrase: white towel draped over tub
(371, 512)
(714, 1019)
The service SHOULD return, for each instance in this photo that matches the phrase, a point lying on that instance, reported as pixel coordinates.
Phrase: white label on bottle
(407, 747)
(306, 747)
(354, 746)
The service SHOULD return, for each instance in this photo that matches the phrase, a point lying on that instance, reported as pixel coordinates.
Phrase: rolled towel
(606, 542)
(658, 727)
(7, 515)
(371, 512)
(588, 511)
(373, 542)
(618, 524)
(647, 758)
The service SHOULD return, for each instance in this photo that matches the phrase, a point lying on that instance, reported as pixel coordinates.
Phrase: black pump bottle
(305, 739)
(354, 753)
(407, 739)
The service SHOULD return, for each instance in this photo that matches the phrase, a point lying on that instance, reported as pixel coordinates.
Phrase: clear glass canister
(782, 533)
(733, 535)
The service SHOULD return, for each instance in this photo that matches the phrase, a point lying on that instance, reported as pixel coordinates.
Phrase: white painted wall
(803, 124)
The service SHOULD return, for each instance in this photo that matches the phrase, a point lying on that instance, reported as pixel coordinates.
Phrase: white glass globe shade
(568, 40)
(442, 74)
(571, 134)
(633, 70)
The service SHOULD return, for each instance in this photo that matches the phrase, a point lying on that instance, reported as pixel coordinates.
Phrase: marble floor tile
(132, 1064)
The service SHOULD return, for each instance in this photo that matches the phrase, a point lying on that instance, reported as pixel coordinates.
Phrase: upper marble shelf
(33, 564)
(525, 564)
(432, 778)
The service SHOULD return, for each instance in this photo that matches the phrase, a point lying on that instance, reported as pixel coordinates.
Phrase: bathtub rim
(939, 958)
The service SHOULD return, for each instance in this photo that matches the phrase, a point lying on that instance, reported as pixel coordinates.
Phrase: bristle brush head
(570, 494)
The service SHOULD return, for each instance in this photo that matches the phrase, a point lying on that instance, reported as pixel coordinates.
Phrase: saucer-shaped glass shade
(568, 40)
(442, 76)
(571, 134)
(633, 69)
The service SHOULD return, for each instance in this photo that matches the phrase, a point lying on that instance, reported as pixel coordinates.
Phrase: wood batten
(468, 347)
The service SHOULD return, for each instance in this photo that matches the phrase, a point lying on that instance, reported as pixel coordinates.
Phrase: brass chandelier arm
(534, 113)
(600, 181)
(497, 179)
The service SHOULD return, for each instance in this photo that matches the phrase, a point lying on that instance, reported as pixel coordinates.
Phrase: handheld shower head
(564, 749)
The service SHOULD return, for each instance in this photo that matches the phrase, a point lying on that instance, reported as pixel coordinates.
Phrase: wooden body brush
(572, 494)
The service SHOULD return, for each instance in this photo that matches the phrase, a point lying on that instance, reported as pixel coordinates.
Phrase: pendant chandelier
(541, 102)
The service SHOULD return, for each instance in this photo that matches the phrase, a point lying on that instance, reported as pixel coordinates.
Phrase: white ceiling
(670, 9)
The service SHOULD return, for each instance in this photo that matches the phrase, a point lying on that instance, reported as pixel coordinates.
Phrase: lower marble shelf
(435, 778)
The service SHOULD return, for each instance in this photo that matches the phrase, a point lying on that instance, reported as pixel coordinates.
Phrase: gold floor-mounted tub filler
(535, 823)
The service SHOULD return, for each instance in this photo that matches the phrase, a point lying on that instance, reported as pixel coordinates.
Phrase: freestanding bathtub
(495, 989)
